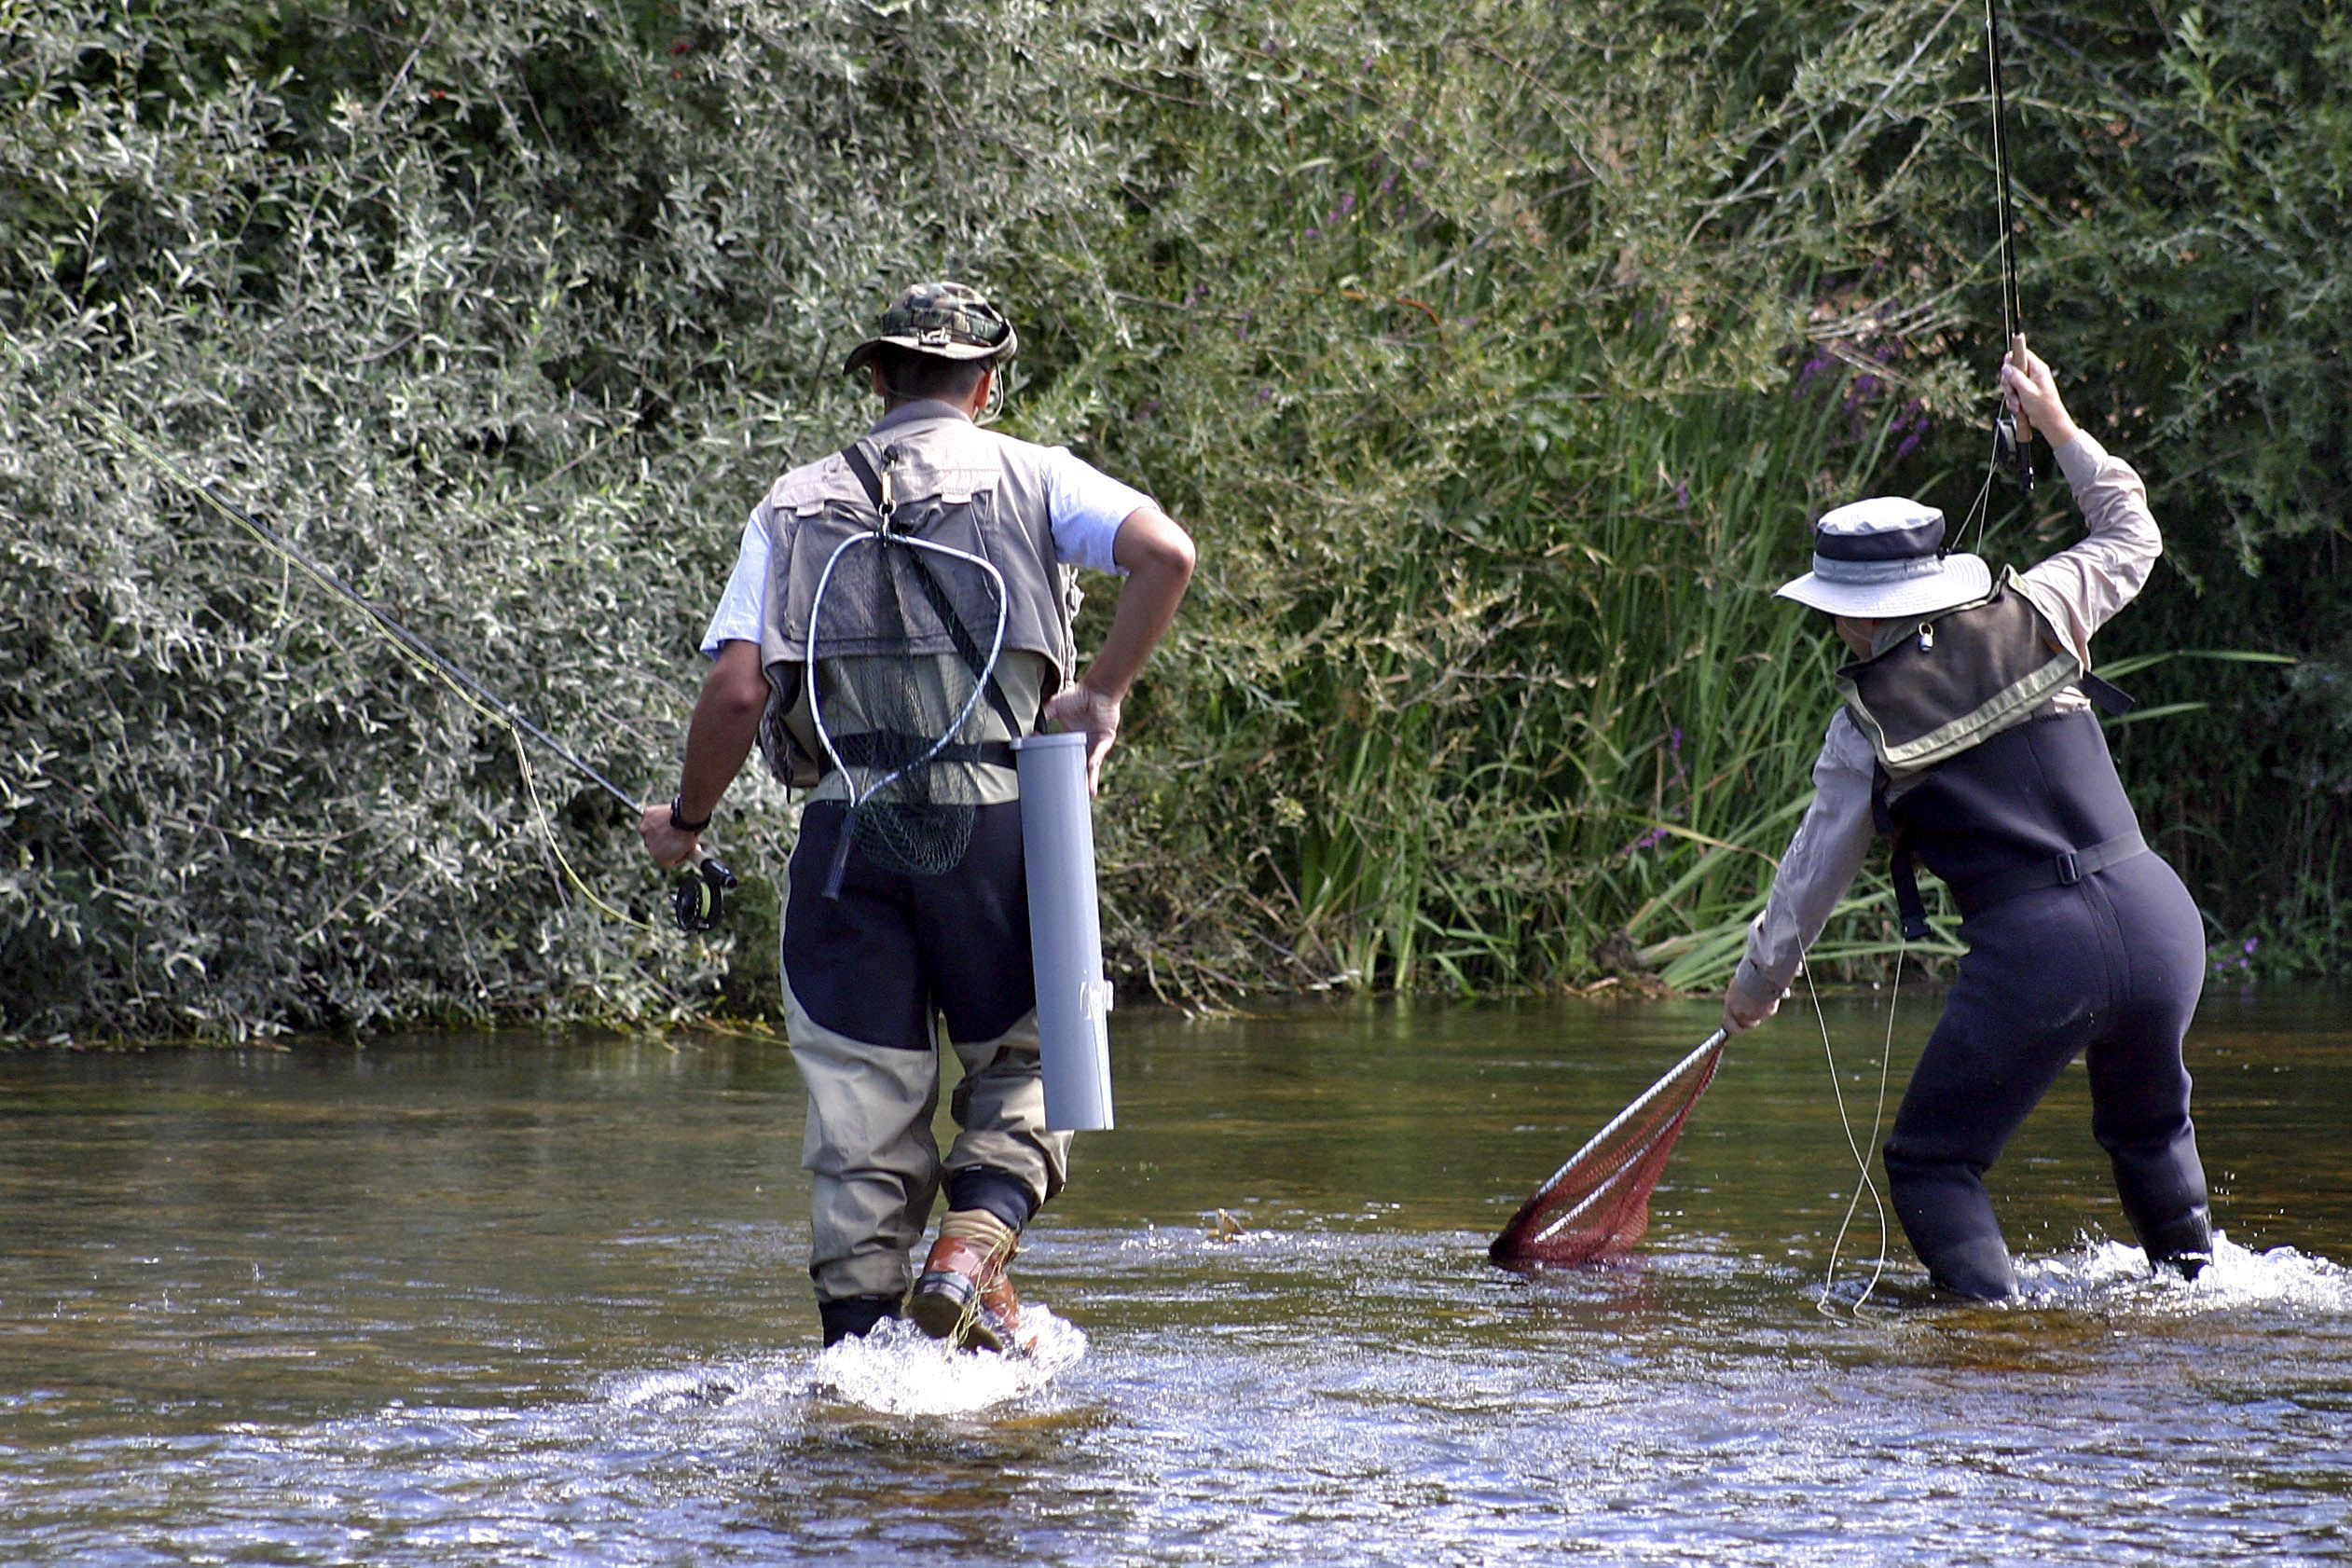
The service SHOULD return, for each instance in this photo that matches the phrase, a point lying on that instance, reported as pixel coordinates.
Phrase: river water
(514, 1300)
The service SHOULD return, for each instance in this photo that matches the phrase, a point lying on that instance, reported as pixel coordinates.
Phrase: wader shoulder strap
(966, 647)
(1902, 867)
(2111, 699)
(868, 480)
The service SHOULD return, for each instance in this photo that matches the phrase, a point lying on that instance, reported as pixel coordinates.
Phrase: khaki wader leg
(874, 1167)
(999, 1107)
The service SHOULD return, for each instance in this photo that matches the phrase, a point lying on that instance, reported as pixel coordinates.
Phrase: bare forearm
(719, 736)
(1159, 558)
(725, 722)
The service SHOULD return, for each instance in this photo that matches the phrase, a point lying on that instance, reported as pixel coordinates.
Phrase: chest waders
(1995, 800)
(2002, 798)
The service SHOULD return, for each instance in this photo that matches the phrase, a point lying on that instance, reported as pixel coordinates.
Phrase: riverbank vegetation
(1496, 353)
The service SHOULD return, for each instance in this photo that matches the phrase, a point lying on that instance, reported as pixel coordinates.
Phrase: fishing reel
(700, 897)
(2012, 450)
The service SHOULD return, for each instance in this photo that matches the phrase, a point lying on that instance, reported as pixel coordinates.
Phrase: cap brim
(1962, 579)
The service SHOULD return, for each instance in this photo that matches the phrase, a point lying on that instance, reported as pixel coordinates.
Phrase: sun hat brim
(1931, 585)
(866, 351)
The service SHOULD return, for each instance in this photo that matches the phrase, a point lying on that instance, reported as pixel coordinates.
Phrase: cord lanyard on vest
(909, 809)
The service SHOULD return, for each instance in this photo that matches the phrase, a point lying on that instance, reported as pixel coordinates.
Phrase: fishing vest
(1977, 776)
(1958, 679)
(953, 483)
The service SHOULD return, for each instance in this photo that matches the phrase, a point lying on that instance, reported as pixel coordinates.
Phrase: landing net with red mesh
(1598, 1204)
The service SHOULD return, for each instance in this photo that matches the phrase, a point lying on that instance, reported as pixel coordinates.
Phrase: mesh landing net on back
(898, 700)
(1598, 1204)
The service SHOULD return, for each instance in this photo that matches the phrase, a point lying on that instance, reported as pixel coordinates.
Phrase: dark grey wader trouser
(2108, 968)
(870, 980)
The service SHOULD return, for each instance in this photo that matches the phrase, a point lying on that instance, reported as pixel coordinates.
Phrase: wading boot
(853, 1316)
(2184, 1245)
(963, 1296)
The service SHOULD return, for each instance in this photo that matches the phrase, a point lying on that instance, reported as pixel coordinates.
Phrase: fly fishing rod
(698, 900)
(2012, 436)
(2012, 432)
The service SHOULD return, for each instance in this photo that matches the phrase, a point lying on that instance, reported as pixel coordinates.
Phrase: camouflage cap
(952, 320)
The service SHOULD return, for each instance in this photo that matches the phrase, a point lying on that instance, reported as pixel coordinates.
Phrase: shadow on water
(501, 1300)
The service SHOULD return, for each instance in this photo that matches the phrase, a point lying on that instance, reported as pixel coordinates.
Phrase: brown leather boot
(964, 1296)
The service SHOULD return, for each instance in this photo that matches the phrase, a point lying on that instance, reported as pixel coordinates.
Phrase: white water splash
(2239, 1278)
(897, 1370)
(894, 1371)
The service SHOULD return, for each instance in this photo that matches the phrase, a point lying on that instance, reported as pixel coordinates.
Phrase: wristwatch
(678, 816)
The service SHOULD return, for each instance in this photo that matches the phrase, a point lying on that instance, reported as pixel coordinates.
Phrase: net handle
(1712, 1042)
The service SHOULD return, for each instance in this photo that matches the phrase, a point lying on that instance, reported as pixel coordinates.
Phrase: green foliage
(432, 292)
(1496, 355)
(2188, 184)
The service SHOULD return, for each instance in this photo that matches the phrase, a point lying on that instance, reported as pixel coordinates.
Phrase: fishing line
(698, 899)
(1980, 508)
(2012, 449)
(1862, 1159)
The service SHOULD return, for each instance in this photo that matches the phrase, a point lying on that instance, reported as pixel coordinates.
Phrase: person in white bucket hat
(1967, 736)
(1882, 558)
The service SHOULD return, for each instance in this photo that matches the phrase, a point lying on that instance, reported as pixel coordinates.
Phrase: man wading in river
(1967, 735)
(895, 932)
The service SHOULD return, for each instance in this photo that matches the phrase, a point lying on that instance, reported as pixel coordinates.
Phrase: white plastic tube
(1066, 931)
